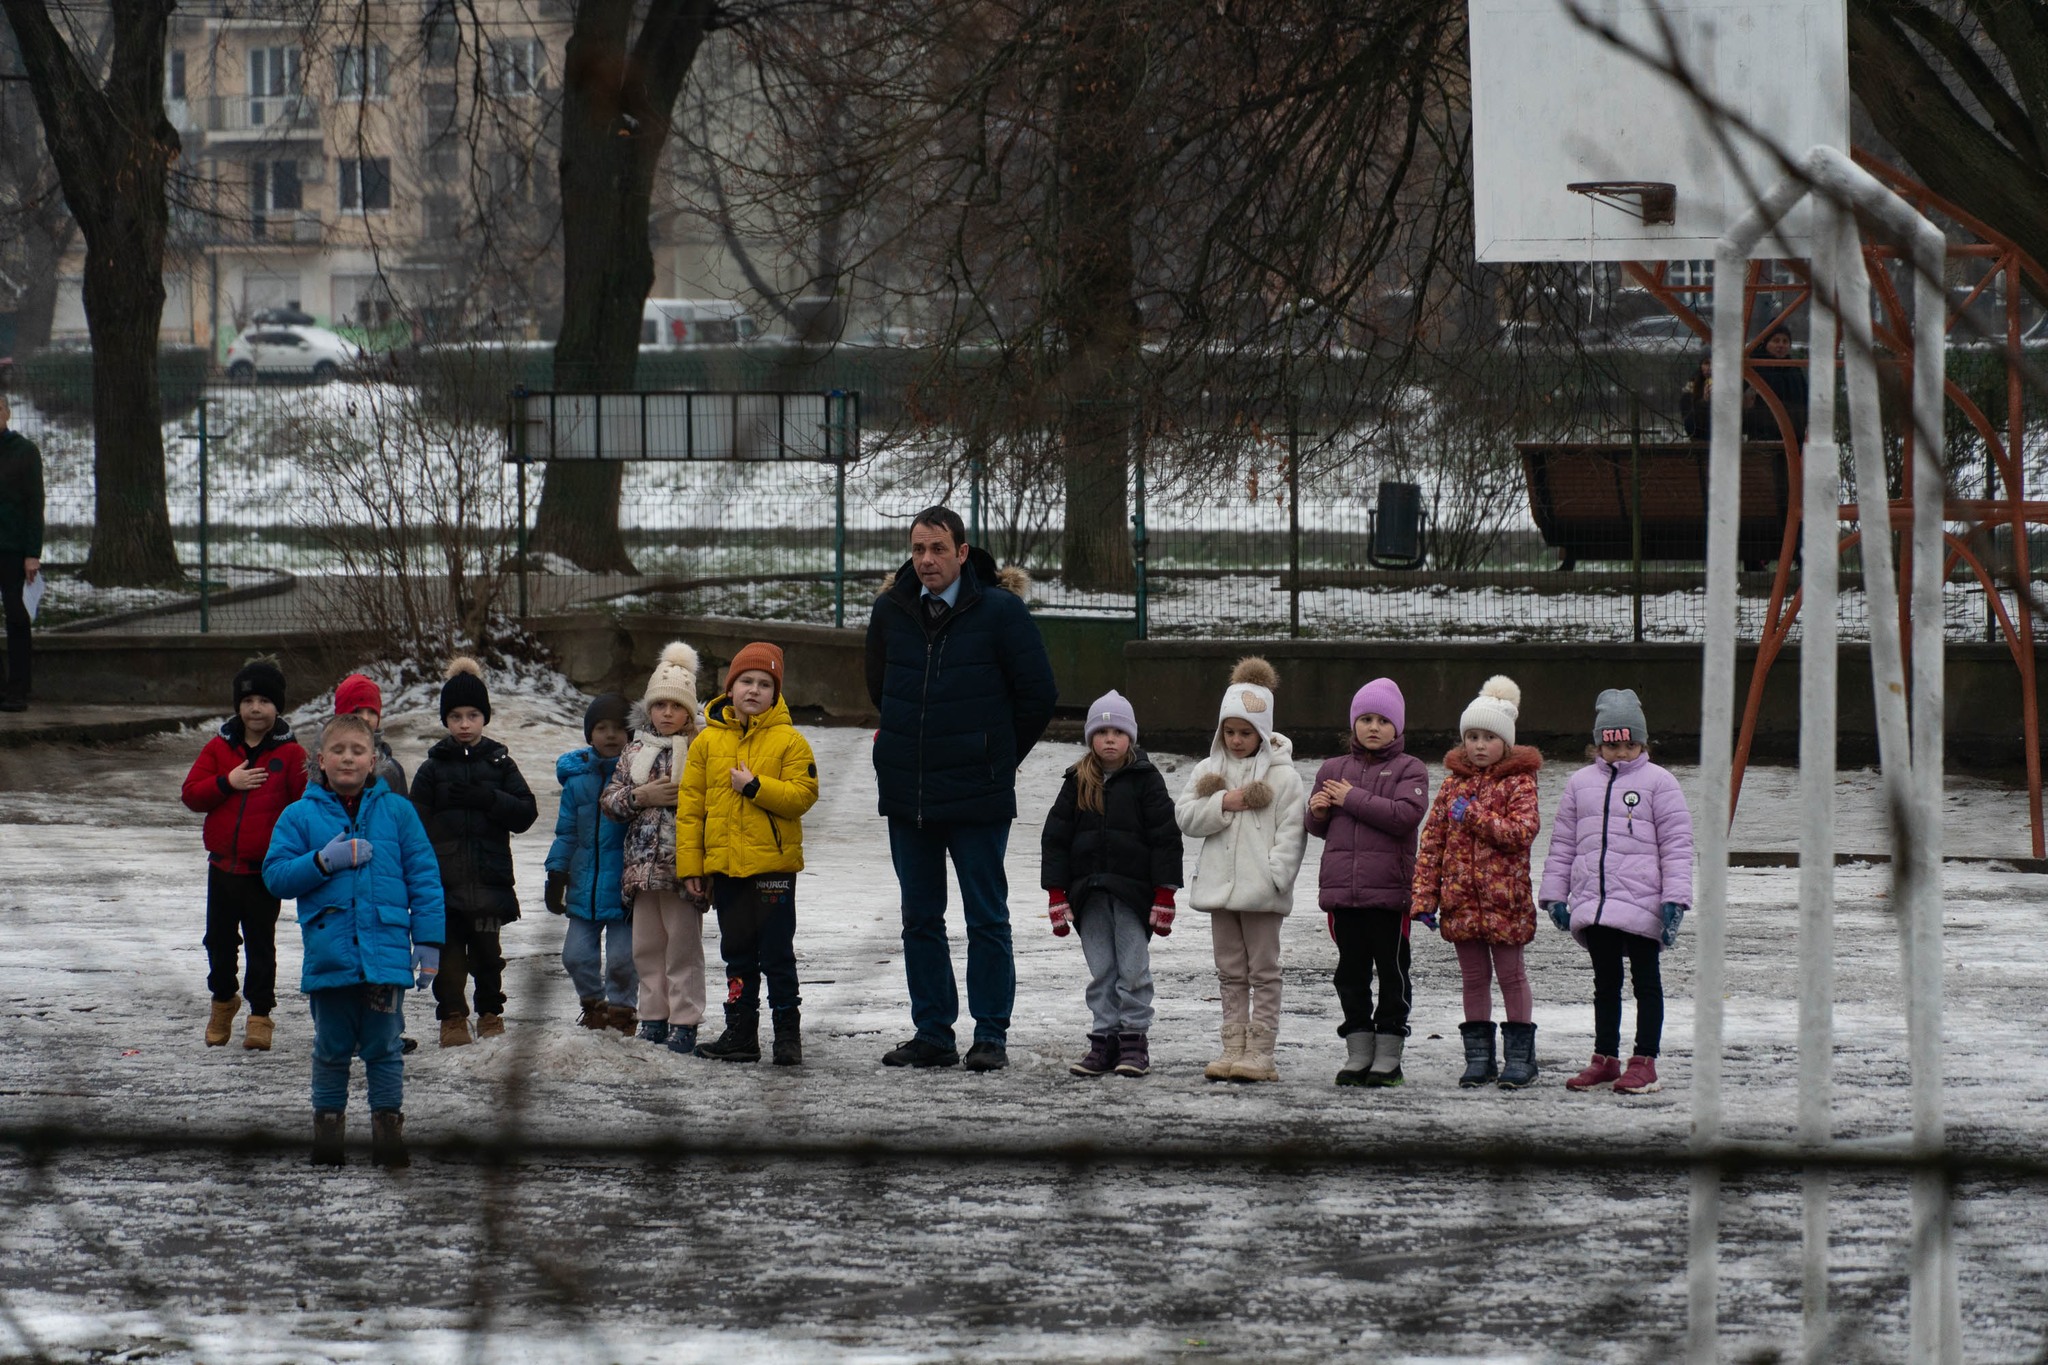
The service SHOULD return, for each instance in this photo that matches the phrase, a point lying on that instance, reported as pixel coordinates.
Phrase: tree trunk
(43, 245)
(1093, 309)
(113, 149)
(616, 107)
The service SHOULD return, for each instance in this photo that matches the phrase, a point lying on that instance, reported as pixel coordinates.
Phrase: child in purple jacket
(1619, 879)
(1366, 805)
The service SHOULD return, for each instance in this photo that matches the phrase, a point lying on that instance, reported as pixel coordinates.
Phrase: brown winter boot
(490, 1026)
(595, 1014)
(328, 1127)
(387, 1140)
(1233, 1053)
(220, 1021)
(256, 1033)
(623, 1018)
(455, 1033)
(1257, 1062)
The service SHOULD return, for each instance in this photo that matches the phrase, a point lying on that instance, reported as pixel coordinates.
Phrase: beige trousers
(668, 952)
(1248, 966)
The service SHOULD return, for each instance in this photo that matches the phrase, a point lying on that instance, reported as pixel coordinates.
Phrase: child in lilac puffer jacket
(1619, 878)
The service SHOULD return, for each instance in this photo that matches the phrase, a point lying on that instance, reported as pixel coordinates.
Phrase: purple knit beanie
(1111, 711)
(1381, 697)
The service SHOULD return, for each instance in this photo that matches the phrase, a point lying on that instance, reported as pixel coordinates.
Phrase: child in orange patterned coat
(1473, 869)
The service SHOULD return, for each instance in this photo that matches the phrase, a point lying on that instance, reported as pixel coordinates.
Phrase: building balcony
(262, 118)
(275, 228)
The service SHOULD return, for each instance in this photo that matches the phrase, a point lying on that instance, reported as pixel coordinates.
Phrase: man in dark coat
(21, 550)
(957, 669)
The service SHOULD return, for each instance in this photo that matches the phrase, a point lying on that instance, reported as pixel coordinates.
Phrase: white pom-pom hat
(1495, 709)
(675, 676)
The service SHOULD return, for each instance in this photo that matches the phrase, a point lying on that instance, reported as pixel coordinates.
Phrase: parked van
(669, 323)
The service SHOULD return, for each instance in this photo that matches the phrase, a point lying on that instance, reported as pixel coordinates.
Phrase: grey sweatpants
(1119, 954)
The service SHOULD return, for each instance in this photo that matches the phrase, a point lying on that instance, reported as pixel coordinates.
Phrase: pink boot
(1640, 1078)
(1600, 1071)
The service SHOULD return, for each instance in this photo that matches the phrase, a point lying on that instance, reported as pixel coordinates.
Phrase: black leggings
(757, 937)
(1609, 947)
(241, 913)
(1369, 941)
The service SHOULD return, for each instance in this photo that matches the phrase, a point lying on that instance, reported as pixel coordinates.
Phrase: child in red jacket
(242, 781)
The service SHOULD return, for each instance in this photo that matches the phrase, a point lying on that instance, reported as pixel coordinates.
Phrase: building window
(365, 184)
(174, 75)
(273, 71)
(441, 138)
(511, 178)
(440, 33)
(520, 66)
(442, 218)
(362, 72)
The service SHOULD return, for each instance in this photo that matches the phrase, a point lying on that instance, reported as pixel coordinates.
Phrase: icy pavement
(186, 1253)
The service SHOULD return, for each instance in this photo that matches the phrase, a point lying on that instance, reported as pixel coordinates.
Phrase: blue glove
(342, 852)
(426, 962)
(1427, 919)
(1673, 915)
(1460, 806)
(1560, 915)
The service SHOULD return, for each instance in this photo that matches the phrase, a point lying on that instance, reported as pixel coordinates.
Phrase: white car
(269, 351)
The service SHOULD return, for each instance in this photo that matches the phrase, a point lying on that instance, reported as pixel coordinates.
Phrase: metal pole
(974, 498)
(838, 400)
(1635, 504)
(205, 586)
(519, 462)
(1293, 529)
(1140, 546)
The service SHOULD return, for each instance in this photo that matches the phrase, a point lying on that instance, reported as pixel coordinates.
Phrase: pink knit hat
(1381, 697)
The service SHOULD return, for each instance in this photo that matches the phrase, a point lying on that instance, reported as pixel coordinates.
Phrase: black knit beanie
(605, 706)
(465, 687)
(260, 678)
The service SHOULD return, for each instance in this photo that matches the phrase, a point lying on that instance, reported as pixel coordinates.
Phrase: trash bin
(1397, 527)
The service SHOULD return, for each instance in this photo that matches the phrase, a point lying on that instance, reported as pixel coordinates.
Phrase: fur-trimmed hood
(1011, 578)
(1520, 758)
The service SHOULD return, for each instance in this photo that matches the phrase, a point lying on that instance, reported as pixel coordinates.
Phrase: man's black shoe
(986, 1057)
(919, 1053)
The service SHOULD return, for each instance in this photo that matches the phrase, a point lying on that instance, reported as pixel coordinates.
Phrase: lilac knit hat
(1111, 711)
(1381, 697)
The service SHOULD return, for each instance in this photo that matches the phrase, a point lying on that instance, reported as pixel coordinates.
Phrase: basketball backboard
(1554, 104)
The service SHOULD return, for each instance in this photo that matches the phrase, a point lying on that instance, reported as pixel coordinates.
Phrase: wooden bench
(1579, 494)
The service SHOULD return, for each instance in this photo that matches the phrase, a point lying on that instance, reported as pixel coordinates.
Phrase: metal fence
(297, 505)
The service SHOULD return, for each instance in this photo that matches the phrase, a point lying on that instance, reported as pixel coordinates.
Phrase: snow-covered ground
(191, 1254)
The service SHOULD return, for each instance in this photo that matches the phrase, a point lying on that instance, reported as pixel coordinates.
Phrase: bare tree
(113, 149)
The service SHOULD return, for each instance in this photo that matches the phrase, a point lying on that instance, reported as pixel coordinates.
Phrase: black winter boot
(328, 1127)
(387, 1140)
(741, 1041)
(1480, 1068)
(789, 1036)
(1518, 1043)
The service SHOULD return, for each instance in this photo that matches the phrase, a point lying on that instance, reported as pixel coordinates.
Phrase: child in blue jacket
(586, 865)
(354, 855)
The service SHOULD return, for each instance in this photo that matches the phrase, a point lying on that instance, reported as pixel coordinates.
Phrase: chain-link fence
(390, 503)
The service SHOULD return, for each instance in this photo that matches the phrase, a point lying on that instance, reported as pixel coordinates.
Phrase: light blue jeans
(598, 955)
(1119, 954)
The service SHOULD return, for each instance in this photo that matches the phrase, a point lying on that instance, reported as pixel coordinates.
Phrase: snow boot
(1518, 1046)
(682, 1039)
(1233, 1052)
(921, 1053)
(620, 1017)
(256, 1033)
(1600, 1071)
(1256, 1063)
(455, 1033)
(328, 1126)
(490, 1026)
(1358, 1050)
(220, 1021)
(1640, 1078)
(741, 1041)
(654, 1031)
(1480, 1066)
(596, 1014)
(1133, 1055)
(387, 1140)
(789, 1036)
(1101, 1056)
(985, 1056)
(1386, 1061)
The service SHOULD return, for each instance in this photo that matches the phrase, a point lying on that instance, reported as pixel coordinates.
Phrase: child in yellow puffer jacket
(746, 784)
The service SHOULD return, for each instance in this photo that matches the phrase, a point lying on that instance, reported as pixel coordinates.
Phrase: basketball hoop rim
(1654, 203)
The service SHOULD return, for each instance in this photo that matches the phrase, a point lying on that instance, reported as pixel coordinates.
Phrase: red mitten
(1330, 921)
(1061, 914)
(1162, 910)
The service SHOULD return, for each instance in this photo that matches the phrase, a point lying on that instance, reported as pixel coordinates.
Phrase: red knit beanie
(355, 692)
(761, 655)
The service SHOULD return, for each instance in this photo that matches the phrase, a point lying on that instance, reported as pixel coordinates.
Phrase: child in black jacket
(472, 799)
(1111, 861)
